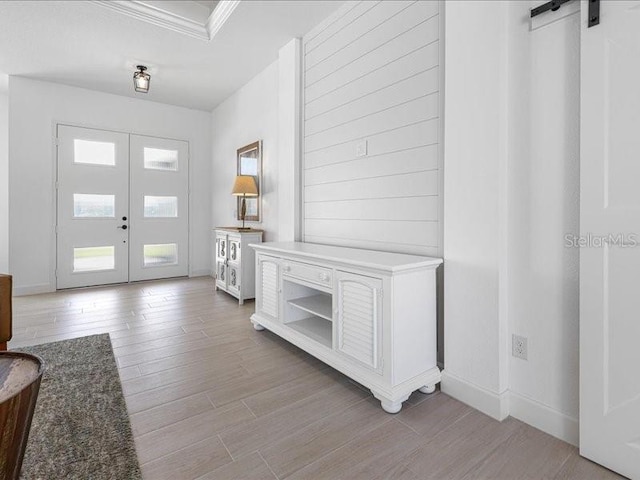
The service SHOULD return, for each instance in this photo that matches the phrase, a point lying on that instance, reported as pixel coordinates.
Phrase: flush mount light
(141, 80)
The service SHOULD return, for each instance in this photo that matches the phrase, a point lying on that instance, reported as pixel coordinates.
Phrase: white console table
(371, 315)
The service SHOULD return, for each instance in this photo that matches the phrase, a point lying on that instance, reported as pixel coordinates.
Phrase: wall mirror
(250, 163)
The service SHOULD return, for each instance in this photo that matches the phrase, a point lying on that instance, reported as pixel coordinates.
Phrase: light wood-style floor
(211, 398)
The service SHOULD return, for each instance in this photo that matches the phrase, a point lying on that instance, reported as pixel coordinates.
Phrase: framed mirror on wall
(250, 163)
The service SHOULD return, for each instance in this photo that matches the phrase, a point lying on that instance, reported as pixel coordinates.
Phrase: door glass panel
(160, 207)
(160, 159)
(90, 259)
(94, 153)
(93, 205)
(160, 254)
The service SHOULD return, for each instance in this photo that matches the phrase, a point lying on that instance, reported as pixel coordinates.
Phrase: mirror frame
(257, 146)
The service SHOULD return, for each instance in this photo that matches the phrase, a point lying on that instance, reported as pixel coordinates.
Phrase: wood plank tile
(399, 472)
(579, 468)
(175, 391)
(194, 347)
(299, 388)
(374, 454)
(459, 449)
(120, 350)
(168, 413)
(128, 373)
(146, 335)
(311, 443)
(167, 327)
(241, 387)
(161, 442)
(249, 467)
(433, 415)
(262, 431)
(527, 453)
(188, 463)
(202, 356)
(215, 367)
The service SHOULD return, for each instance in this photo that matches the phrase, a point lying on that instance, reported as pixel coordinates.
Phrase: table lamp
(244, 186)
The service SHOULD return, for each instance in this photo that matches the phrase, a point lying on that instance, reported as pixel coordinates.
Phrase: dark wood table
(20, 375)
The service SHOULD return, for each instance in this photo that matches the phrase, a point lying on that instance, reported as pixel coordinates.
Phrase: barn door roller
(553, 5)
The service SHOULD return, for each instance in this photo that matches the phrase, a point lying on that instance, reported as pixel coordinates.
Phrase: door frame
(53, 249)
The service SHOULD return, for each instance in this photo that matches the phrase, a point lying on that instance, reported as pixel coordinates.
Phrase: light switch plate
(361, 149)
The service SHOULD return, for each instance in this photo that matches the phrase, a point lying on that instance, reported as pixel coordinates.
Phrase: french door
(610, 227)
(122, 207)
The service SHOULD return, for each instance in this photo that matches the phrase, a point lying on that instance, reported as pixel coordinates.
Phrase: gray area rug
(80, 427)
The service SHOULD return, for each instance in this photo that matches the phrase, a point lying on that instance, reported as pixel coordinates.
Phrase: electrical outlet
(519, 346)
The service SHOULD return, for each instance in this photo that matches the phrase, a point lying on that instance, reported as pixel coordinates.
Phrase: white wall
(511, 195)
(4, 183)
(475, 175)
(34, 109)
(248, 115)
(544, 101)
(371, 75)
(289, 188)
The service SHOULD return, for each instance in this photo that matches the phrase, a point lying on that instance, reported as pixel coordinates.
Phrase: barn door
(610, 232)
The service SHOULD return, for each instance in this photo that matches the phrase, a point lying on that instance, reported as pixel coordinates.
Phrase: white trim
(494, 404)
(220, 15)
(158, 17)
(162, 18)
(33, 289)
(501, 405)
(544, 418)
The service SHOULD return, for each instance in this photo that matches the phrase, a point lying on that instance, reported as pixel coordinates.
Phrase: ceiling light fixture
(141, 80)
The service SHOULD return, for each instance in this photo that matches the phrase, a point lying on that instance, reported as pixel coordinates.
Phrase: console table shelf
(315, 328)
(319, 305)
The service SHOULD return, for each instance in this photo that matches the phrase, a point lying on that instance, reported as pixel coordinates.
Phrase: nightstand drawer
(310, 273)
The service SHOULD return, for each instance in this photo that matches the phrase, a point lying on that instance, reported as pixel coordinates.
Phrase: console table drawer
(310, 273)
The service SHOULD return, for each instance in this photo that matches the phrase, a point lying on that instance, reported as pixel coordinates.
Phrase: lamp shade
(245, 185)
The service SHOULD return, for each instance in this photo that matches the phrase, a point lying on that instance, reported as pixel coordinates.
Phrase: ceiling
(84, 44)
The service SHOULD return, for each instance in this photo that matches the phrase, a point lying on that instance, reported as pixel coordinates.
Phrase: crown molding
(162, 18)
(220, 15)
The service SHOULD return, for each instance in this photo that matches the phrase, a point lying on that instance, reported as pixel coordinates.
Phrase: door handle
(124, 227)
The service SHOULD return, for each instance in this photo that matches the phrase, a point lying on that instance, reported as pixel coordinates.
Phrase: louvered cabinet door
(359, 306)
(267, 286)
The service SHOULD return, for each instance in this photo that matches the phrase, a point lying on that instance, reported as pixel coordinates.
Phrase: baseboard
(544, 418)
(33, 289)
(494, 404)
(500, 406)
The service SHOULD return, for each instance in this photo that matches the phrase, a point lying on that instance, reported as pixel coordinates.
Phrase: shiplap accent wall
(371, 73)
